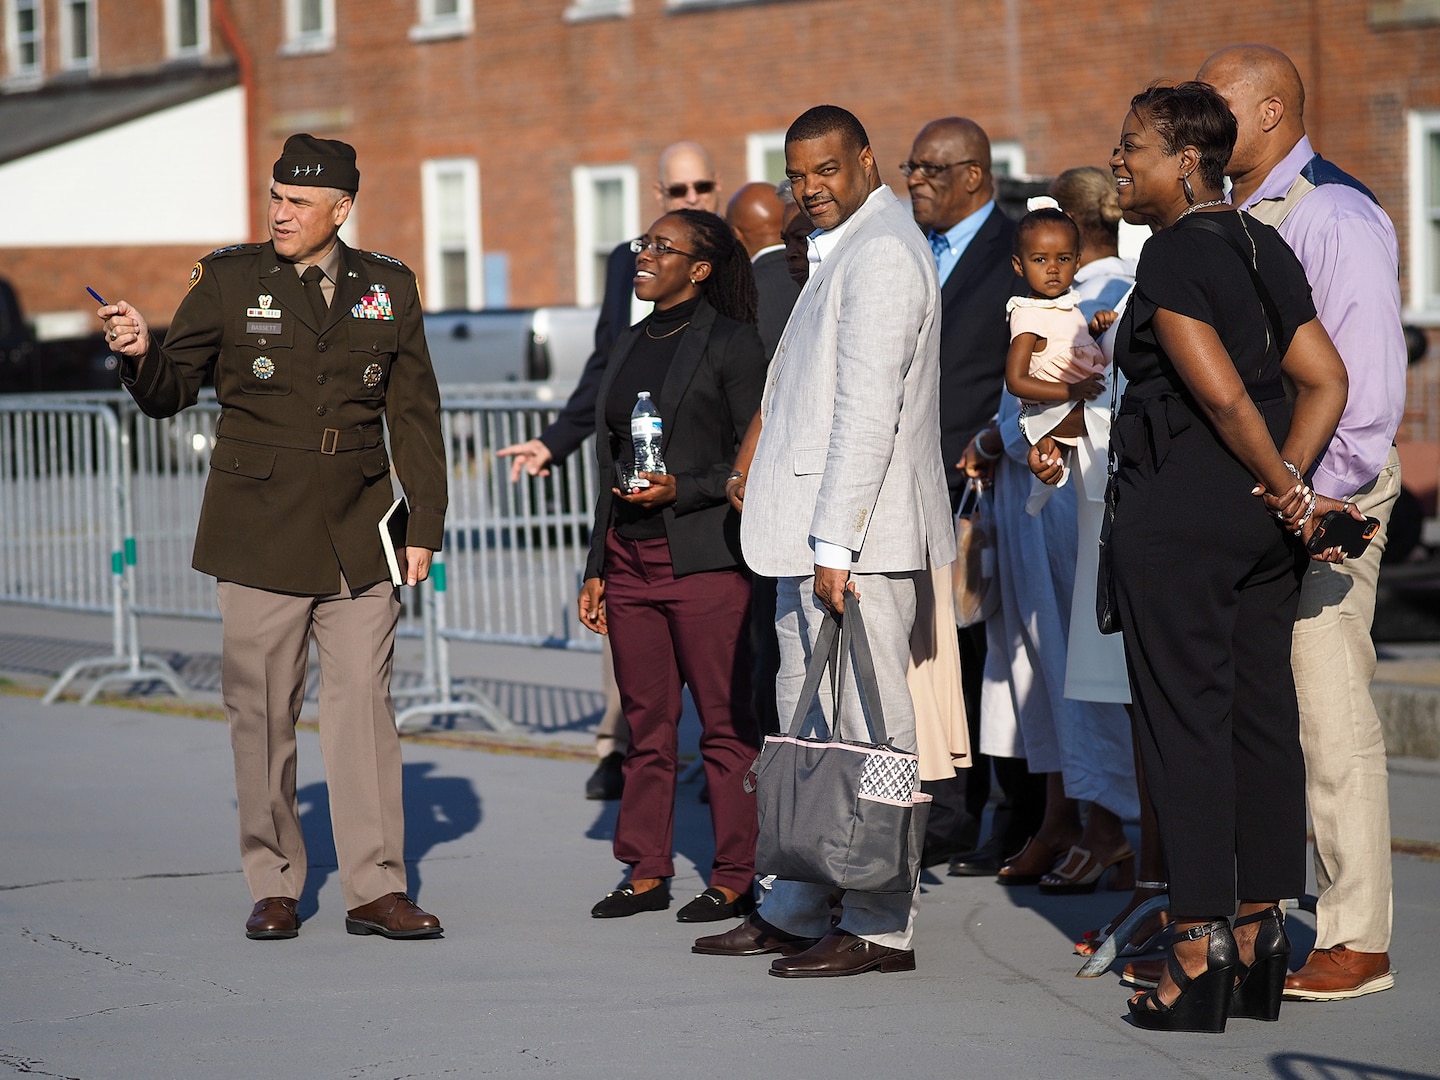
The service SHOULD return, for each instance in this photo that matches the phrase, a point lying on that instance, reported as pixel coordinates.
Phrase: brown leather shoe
(273, 917)
(394, 915)
(1339, 973)
(842, 953)
(752, 937)
(1143, 973)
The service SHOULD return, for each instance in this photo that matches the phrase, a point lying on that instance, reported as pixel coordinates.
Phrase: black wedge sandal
(1204, 1001)
(1259, 986)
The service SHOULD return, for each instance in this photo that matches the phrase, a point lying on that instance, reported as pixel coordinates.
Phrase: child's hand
(1102, 321)
(1088, 388)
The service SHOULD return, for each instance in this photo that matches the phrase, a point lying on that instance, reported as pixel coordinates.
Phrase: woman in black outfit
(1208, 574)
(664, 577)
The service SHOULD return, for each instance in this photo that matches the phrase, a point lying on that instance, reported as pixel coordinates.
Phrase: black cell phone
(1339, 529)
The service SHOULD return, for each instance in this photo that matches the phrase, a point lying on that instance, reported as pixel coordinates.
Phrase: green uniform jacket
(299, 476)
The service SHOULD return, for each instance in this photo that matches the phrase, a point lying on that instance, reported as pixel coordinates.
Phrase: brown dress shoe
(752, 937)
(1143, 973)
(273, 917)
(842, 953)
(394, 915)
(1339, 973)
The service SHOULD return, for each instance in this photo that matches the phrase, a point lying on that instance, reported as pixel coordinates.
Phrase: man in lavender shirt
(1347, 246)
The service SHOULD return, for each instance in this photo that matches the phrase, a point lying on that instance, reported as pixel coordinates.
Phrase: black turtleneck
(643, 368)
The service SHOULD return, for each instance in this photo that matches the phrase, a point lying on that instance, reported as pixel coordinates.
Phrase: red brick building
(503, 143)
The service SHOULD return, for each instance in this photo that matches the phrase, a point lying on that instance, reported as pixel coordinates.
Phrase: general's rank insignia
(372, 376)
(263, 367)
(374, 305)
(264, 311)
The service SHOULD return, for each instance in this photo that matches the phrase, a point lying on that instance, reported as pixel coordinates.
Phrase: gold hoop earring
(1189, 191)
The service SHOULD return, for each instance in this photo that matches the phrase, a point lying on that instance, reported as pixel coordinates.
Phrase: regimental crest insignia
(372, 376)
(263, 367)
(195, 273)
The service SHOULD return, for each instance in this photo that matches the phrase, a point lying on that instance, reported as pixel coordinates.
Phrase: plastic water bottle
(645, 432)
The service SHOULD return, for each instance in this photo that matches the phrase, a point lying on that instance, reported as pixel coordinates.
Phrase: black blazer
(974, 338)
(777, 295)
(710, 393)
(577, 419)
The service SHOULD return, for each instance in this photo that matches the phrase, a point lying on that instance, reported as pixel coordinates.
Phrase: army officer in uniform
(311, 343)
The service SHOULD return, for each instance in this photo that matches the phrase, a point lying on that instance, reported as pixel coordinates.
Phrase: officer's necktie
(311, 279)
(940, 244)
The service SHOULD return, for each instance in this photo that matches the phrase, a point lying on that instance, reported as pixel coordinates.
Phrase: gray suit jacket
(849, 450)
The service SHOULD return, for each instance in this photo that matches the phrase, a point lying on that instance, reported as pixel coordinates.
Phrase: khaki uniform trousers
(263, 667)
(1346, 780)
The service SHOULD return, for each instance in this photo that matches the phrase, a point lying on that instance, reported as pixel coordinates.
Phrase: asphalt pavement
(122, 905)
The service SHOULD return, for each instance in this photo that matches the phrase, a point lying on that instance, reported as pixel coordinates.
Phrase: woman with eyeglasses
(664, 579)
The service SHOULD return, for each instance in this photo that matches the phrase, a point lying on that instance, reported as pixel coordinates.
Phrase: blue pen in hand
(96, 295)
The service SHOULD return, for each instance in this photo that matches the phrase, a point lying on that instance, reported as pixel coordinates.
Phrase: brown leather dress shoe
(1338, 973)
(1143, 973)
(752, 937)
(273, 917)
(394, 915)
(842, 953)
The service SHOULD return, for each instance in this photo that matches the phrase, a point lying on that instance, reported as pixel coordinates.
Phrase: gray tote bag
(845, 814)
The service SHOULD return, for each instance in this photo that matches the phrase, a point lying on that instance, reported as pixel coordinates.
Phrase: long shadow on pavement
(438, 809)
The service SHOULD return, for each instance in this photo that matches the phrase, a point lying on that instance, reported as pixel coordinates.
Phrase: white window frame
(173, 49)
(587, 245)
(68, 61)
(15, 73)
(322, 40)
(469, 172)
(758, 145)
(585, 10)
(1012, 154)
(1424, 307)
(432, 27)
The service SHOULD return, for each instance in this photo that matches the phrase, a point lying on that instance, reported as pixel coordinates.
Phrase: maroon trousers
(666, 632)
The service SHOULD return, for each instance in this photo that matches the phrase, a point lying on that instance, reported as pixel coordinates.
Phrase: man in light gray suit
(846, 491)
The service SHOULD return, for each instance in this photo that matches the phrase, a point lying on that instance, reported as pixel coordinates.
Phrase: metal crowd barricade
(514, 553)
(90, 483)
(64, 513)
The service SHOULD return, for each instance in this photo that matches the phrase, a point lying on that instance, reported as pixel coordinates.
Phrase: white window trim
(1424, 308)
(173, 49)
(67, 61)
(469, 170)
(583, 180)
(15, 75)
(586, 10)
(757, 145)
(297, 45)
(1013, 154)
(432, 27)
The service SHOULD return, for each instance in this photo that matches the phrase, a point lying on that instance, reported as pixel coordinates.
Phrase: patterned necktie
(311, 279)
(940, 244)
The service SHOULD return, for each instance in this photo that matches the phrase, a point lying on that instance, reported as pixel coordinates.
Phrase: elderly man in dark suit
(314, 348)
(952, 197)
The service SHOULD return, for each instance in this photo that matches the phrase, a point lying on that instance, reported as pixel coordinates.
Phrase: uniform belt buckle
(330, 441)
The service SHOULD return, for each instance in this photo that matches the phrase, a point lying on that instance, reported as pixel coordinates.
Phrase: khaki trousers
(1346, 782)
(613, 734)
(263, 665)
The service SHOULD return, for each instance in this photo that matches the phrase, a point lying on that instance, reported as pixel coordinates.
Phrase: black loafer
(711, 906)
(625, 901)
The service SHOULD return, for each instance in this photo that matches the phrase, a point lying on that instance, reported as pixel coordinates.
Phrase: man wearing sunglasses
(686, 180)
(952, 198)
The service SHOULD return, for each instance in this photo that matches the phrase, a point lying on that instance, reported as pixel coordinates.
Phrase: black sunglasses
(702, 187)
